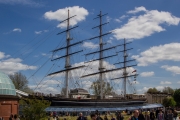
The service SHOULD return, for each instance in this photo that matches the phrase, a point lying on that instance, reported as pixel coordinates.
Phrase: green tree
(152, 90)
(169, 101)
(176, 96)
(34, 109)
(168, 90)
(20, 82)
(106, 87)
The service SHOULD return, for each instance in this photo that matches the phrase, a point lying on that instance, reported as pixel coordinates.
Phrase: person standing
(16, 117)
(11, 117)
(105, 117)
(112, 117)
(170, 115)
(175, 114)
(141, 116)
(135, 115)
(81, 117)
(152, 115)
(146, 116)
(160, 115)
(119, 116)
(93, 116)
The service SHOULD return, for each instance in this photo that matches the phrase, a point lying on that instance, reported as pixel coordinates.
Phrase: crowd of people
(158, 114)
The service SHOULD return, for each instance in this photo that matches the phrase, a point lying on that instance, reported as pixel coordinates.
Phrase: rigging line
(35, 49)
(40, 43)
(37, 60)
(44, 77)
(29, 42)
(38, 69)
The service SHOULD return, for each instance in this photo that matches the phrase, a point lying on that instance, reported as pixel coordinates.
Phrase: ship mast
(67, 57)
(101, 51)
(101, 68)
(67, 65)
(125, 61)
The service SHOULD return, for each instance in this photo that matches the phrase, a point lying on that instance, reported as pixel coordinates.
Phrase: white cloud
(16, 30)
(123, 16)
(45, 89)
(165, 83)
(118, 20)
(86, 84)
(108, 19)
(159, 53)
(62, 14)
(2, 55)
(137, 9)
(41, 31)
(12, 65)
(38, 32)
(51, 82)
(145, 25)
(160, 88)
(173, 69)
(92, 67)
(147, 74)
(23, 2)
(90, 45)
(178, 82)
(46, 30)
(144, 89)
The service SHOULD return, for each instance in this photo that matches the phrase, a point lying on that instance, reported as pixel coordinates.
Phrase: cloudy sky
(29, 30)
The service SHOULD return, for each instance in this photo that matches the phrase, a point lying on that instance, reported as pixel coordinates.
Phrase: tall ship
(96, 69)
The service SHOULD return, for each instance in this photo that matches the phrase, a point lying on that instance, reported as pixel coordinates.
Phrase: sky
(29, 31)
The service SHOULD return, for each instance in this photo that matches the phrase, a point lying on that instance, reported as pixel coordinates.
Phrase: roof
(6, 85)
(21, 93)
(79, 91)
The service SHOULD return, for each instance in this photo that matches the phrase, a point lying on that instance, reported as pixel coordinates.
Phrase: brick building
(8, 99)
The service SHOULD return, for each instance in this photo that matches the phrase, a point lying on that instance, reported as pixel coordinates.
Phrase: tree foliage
(168, 90)
(34, 109)
(152, 90)
(169, 101)
(106, 87)
(20, 82)
(176, 96)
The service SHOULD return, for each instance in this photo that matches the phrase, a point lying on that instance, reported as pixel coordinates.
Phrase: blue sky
(28, 34)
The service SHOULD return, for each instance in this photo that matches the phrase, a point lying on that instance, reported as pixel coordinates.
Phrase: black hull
(93, 103)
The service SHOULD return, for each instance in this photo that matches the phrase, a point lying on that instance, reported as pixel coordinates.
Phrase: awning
(84, 109)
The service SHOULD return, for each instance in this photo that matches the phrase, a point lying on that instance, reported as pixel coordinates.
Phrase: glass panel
(3, 91)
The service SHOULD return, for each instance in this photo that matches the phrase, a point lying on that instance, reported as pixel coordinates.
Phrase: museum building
(8, 97)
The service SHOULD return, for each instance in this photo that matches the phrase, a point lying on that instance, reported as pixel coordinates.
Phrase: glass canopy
(6, 85)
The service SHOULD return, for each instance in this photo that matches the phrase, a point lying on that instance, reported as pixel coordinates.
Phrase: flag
(133, 71)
